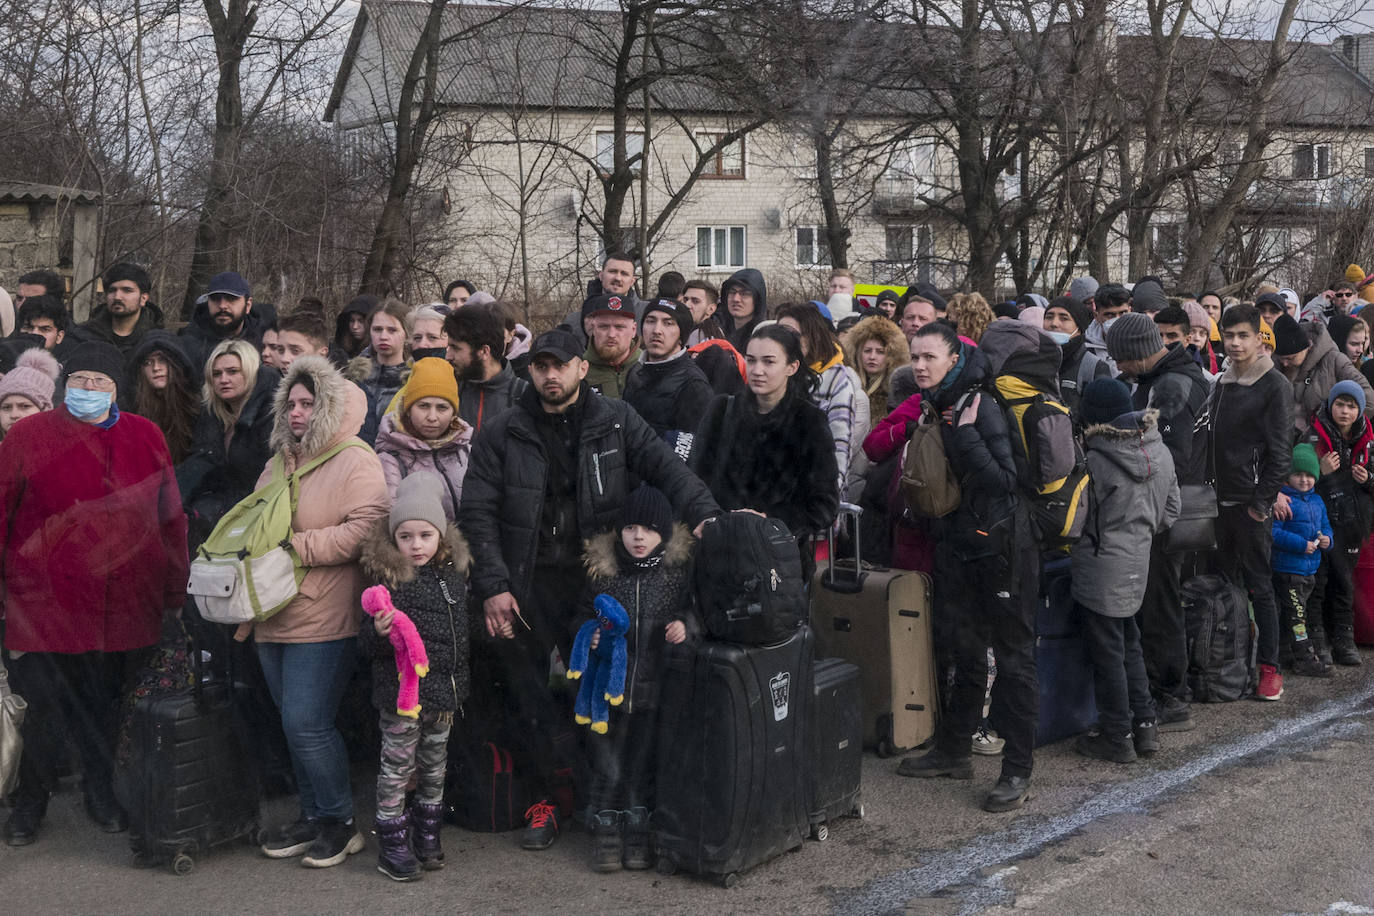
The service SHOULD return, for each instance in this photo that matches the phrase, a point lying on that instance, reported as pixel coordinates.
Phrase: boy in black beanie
(646, 566)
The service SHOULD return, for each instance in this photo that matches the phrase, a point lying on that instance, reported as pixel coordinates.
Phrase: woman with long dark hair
(166, 390)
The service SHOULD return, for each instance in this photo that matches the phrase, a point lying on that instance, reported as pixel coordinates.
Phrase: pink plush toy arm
(407, 641)
(412, 662)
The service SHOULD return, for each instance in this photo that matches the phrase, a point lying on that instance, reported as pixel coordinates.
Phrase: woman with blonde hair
(970, 313)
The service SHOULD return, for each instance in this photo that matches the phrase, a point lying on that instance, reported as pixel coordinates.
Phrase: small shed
(50, 227)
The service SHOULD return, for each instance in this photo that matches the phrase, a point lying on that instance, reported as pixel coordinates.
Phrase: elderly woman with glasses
(93, 551)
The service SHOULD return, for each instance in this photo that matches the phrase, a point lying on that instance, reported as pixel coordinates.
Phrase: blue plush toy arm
(582, 646)
(615, 679)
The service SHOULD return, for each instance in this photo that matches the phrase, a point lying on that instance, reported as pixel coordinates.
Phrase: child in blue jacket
(1298, 543)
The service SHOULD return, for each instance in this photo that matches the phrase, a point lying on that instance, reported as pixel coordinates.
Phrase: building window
(813, 247)
(909, 246)
(1166, 242)
(720, 247)
(728, 161)
(901, 243)
(1312, 160)
(1369, 162)
(605, 149)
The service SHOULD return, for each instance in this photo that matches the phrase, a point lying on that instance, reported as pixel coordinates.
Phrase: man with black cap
(666, 387)
(1065, 320)
(544, 476)
(92, 555)
(610, 323)
(225, 312)
(1171, 382)
(1310, 359)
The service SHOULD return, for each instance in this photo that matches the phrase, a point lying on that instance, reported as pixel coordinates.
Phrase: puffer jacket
(1322, 368)
(1349, 504)
(199, 337)
(380, 384)
(1291, 536)
(840, 397)
(435, 598)
(340, 501)
(654, 598)
(505, 486)
(401, 453)
(1177, 389)
(671, 394)
(895, 348)
(1250, 443)
(1133, 496)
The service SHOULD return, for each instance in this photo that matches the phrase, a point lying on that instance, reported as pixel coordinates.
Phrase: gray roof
(27, 192)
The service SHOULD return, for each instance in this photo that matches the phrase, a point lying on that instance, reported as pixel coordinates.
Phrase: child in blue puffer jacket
(1298, 543)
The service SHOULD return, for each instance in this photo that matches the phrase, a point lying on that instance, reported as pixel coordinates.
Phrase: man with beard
(126, 316)
(227, 312)
(486, 384)
(554, 470)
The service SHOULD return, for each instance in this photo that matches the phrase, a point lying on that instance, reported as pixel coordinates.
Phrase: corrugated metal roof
(27, 192)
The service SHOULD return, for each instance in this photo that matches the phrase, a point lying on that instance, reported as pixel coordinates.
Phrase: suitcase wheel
(820, 833)
(666, 866)
(729, 880)
(859, 811)
(182, 865)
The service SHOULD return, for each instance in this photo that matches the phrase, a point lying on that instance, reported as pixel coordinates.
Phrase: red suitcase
(1364, 595)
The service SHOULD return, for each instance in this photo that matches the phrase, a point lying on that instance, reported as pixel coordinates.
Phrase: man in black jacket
(1251, 446)
(487, 385)
(1170, 381)
(665, 386)
(544, 476)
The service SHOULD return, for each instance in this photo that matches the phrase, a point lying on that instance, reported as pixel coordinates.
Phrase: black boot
(1343, 651)
(428, 820)
(1100, 746)
(637, 856)
(607, 847)
(1146, 734)
(395, 858)
(1306, 663)
(1011, 792)
(937, 763)
(21, 828)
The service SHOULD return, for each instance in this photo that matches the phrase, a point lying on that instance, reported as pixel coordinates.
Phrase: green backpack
(247, 570)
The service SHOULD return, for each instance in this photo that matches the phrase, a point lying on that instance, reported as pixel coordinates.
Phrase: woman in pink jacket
(308, 648)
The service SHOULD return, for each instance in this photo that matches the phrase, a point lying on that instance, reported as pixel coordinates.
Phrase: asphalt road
(1264, 808)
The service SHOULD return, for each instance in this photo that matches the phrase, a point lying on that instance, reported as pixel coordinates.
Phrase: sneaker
(986, 742)
(337, 841)
(607, 845)
(1113, 748)
(291, 840)
(1174, 716)
(936, 763)
(541, 825)
(638, 854)
(1310, 665)
(1146, 736)
(1270, 683)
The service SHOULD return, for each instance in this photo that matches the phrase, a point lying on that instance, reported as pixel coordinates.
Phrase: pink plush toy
(411, 661)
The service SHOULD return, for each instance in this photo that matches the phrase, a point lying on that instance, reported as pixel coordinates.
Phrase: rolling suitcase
(190, 783)
(732, 756)
(1363, 601)
(1063, 667)
(880, 620)
(835, 769)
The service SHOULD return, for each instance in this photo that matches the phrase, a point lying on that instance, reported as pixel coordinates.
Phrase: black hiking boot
(1146, 735)
(638, 855)
(1100, 746)
(936, 763)
(1174, 715)
(607, 847)
(1343, 650)
(1010, 793)
(1306, 663)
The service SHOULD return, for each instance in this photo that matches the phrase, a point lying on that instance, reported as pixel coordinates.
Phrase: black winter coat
(212, 479)
(199, 337)
(507, 481)
(671, 396)
(1177, 389)
(654, 598)
(1251, 439)
(434, 597)
(781, 463)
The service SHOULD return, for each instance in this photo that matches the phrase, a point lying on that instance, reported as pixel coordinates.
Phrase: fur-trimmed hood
(1134, 448)
(875, 327)
(603, 562)
(382, 562)
(1147, 420)
(340, 408)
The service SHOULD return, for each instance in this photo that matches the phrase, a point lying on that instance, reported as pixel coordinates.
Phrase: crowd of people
(496, 481)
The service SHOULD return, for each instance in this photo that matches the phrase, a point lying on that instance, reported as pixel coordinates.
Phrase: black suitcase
(749, 579)
(1063, 668)
(836, 731)
(732, 754)
(190, 783)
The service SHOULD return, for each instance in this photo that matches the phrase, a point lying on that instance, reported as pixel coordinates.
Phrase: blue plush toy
(604, 666)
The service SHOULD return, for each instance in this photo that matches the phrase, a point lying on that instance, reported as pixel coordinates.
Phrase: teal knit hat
(1305, 460)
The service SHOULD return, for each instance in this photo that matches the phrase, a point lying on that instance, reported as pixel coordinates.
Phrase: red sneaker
(1270, 683)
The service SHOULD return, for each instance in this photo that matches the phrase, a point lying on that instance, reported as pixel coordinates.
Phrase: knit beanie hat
(1345, 388)
(1354, 273)
(648, 506)
(430, 377)
(1077, 309)
(1288, 337)
(1148, 296)
(1266, 334)
(419, 497)
(1082, 289)
(1134, 336)
(1197, 315)
(676, 310)
(1305, 460)
(34, 377)
(1104, 400)
(96, 356)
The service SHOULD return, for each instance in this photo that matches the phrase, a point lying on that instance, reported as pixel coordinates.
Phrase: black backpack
(1216, 617)
(749, 579)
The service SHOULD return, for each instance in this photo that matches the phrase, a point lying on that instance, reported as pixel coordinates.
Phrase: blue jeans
(307, 681)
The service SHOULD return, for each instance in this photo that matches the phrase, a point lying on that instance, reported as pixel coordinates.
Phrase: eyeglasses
(91, 382)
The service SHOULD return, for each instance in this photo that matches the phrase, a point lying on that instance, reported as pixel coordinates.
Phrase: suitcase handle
(848, 585)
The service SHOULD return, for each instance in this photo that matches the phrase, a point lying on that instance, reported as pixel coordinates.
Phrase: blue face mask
(1058, 337)
(88, 405)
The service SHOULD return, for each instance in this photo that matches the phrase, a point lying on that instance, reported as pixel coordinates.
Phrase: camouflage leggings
(412, 748)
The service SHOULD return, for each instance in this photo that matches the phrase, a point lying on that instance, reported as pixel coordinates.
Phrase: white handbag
(12, 709)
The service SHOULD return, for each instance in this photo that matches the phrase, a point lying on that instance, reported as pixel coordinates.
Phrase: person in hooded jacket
(987, 567)
(875, 348)
(665, 386)
(746, 304)
(308, 648)
(1343, 438)
(165, 389)
(1134, 497)
(424, 432)
(230, 445)
(350, 328)
(226, 312)
(1311, 361)
(1065, 320)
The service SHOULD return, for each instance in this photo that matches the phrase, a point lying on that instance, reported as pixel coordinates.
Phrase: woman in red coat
(93, 552)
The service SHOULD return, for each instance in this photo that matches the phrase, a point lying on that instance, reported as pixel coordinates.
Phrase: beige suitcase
(879, 620)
